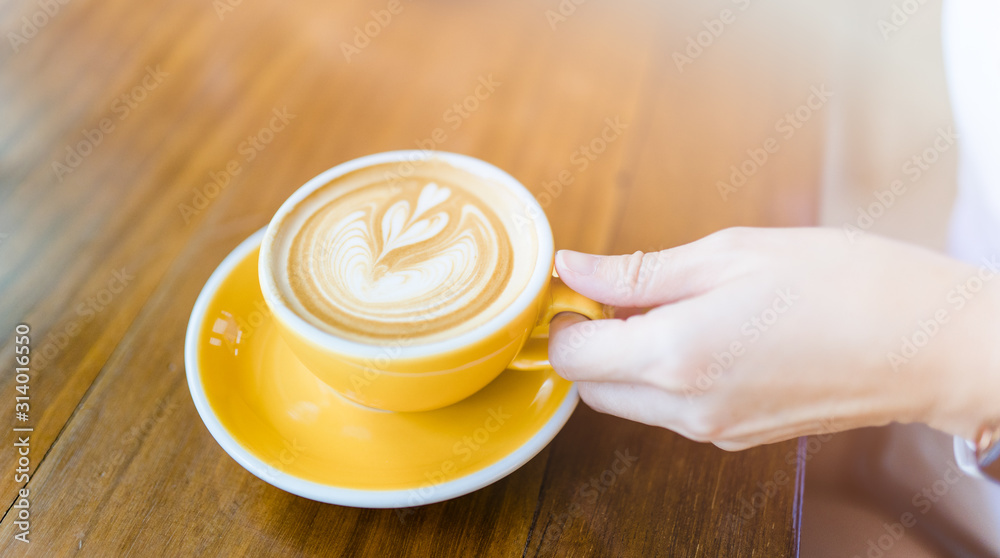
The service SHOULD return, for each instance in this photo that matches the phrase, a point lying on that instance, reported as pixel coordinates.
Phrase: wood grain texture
(104, 261)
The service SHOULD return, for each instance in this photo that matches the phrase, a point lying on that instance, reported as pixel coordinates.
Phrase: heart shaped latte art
(408, 260)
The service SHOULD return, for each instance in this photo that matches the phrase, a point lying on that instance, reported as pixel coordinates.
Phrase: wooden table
(123, 124)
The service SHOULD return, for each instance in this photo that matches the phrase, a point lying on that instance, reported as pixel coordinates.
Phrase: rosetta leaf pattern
(400, 229)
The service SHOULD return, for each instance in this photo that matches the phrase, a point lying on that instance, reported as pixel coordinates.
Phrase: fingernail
(577, 262)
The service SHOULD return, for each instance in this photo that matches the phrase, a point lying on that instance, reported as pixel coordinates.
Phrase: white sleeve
(971, 47)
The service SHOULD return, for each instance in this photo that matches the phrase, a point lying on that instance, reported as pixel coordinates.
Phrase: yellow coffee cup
(402, 374)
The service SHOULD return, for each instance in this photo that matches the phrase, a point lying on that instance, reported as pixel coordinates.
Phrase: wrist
(967, 371)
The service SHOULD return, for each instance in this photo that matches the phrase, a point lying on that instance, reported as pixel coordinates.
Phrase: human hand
(761, 335)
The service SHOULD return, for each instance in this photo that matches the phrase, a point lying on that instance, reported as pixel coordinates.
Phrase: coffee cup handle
(535, 353)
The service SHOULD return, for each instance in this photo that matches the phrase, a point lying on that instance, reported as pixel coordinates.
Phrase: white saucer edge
(404, 498)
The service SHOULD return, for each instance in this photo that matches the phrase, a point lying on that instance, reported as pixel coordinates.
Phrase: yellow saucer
(290, 429)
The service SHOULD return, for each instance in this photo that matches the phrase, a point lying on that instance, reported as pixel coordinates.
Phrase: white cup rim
(532, 214)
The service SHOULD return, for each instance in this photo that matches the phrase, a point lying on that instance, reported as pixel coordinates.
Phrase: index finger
(656, 278)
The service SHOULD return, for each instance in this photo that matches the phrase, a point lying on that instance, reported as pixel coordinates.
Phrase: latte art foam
(422, 257)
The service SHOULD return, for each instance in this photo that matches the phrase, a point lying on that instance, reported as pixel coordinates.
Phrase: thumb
(639, 280)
